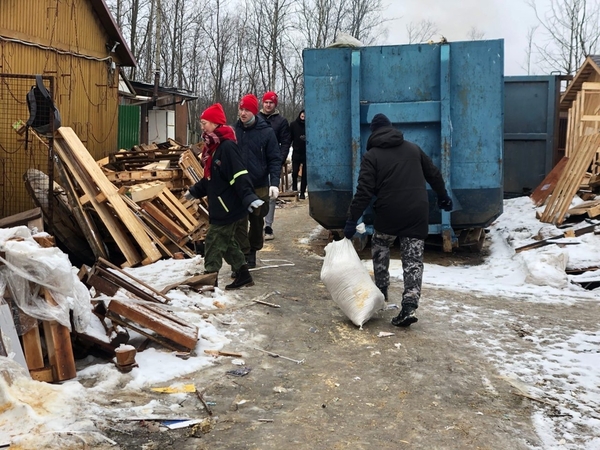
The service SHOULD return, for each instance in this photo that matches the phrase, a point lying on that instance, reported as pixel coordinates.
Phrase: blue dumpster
(448, 98)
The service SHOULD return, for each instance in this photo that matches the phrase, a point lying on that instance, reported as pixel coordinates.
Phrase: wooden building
(78, 49)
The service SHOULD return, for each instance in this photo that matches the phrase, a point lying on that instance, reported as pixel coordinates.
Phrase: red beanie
(249, 102)
(270, 97)
(214, 114)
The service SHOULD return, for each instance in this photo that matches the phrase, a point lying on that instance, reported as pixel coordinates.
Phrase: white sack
(349, 283)
(546, 266)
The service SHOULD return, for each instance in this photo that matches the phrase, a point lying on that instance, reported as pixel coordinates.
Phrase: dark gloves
(445, 202)
(350, 228)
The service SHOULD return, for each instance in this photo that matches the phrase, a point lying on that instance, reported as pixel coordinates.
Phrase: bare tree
(475, 34)
(571, 30)
(529, 49)
(422, 31)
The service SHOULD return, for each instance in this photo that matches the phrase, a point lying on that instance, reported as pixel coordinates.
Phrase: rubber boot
(243, 279)
(251, 259)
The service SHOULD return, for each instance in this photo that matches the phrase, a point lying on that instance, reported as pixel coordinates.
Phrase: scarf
(212, 142)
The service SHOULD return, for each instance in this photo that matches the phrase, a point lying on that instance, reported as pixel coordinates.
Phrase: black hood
(385, 137)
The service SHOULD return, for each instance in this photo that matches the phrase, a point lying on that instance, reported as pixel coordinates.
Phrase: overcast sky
(505, 19)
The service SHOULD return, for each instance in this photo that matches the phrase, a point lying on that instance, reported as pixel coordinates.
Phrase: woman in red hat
(230, 194)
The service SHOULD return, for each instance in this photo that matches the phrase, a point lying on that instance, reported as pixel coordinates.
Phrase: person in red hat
(261, 155)
(227, 185)
(281, 127)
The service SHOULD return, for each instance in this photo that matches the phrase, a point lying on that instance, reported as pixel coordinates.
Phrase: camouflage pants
(220, 244)
(411, 250)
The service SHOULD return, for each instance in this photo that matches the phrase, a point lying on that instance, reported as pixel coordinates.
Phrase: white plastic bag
(349, 282)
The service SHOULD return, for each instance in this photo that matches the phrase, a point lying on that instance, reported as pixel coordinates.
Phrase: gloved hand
(350, 228)
(188, 195)
(255, 204)
(445, 203)
(273, 192)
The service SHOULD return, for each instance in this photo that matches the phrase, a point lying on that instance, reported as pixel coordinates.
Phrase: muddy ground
(432, 386)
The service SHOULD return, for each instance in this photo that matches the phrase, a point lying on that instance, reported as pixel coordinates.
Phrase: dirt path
(433, 386)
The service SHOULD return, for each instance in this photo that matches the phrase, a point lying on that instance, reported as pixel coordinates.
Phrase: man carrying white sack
(395, 171)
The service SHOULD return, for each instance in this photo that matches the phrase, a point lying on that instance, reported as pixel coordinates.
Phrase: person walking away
(395, 171)
(227, 184)
(281, 127)
(298, 135)
(262, 158)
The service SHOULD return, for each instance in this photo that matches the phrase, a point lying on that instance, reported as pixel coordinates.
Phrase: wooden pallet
(546, 187)
(155, 318)
(93, 182)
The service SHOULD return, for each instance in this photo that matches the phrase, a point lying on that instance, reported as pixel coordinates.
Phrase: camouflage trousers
(411, 250)
(220, 244)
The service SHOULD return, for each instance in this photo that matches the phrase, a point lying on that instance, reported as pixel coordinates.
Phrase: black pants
(295, 170)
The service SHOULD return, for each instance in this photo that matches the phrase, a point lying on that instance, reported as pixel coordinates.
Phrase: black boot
(406, 317)
(243, 279)
(251, 259)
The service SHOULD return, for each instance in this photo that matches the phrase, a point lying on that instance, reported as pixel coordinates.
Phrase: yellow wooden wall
(63, 39)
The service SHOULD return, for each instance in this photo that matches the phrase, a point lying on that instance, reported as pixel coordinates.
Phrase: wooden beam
(58, 345)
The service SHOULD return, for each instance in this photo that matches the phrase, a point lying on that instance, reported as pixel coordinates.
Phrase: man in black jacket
(281, 127)
(261, 156)
(395, 171)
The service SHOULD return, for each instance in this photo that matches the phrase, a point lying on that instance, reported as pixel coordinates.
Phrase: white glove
(361, 228)
(188, 195)
(255, 204)
(273, 192)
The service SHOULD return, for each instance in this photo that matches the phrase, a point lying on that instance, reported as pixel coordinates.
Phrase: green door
(129, 126)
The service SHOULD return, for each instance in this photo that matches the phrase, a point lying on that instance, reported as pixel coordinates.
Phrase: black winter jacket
(260, 152)
(229, 189)
(298, 134)
(281, 127)
(395, 171)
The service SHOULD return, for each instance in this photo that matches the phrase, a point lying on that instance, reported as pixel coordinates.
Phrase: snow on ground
(561, 365)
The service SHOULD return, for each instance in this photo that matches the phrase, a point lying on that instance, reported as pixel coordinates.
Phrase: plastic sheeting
(28, 267)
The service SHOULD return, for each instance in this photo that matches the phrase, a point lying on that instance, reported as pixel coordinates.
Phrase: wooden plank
(145, 191)
(590, 86)
(177, 210)
(108, 265)
(58, 345)
(32, 348)
(177, 204)
(191, 166)
(105, 186)
(161, 322)
(161, 165)
(164, 220)
(23, 218)
(546, 187)
(129, 252)
(44, 374)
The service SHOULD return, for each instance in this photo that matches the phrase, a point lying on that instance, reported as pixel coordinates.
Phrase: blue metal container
(447, 98)
(530, 131)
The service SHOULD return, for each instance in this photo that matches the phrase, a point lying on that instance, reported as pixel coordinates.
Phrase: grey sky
(506, 19)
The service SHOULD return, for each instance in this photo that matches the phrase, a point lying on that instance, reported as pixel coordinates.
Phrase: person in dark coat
(281, 127)
(395, 171)
(261, 156)
(227, 185)
(298, 133)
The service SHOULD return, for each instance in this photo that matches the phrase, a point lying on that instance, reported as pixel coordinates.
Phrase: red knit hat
(270, 97)
(249, 102)
(214, 114)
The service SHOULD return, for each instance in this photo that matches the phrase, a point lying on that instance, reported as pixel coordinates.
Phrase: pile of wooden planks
(145, 220)
(568, 182)
(583, 120)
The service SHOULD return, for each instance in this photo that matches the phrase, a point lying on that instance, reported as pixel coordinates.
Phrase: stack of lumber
(145, 221)
(569, 177)
(583, 120)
